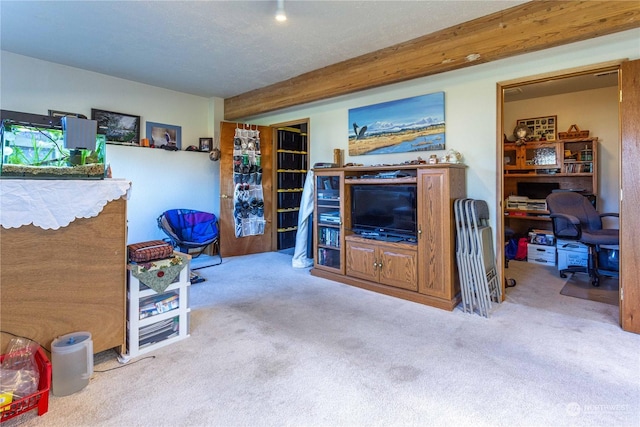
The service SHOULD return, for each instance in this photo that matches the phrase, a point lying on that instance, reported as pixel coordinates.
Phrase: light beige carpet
(274, 346)
(579, 286)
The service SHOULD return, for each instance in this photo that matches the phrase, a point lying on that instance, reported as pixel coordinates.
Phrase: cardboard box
(572, 254)
(541, 254)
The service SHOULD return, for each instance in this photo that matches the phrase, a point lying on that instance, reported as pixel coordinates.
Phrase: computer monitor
(536, 190)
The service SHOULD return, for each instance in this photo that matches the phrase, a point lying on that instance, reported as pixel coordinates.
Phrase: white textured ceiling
(219, 48)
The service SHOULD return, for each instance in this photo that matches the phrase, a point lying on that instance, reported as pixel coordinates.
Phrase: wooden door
(630, 176)
(230, 245)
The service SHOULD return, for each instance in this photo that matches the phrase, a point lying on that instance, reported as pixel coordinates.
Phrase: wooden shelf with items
(575, 169)
(579, 156)
(531, 215)
(419, 266)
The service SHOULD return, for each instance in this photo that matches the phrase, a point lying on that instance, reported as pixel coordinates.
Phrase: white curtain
(300, 259)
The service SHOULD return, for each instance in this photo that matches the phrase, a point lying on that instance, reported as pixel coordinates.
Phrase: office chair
(574, 218)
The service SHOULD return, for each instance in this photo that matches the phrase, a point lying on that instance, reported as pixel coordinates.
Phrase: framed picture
(542, 128)
(119, 128)
(400, 126)
(56, 113)
(205, 144)
(161, 135)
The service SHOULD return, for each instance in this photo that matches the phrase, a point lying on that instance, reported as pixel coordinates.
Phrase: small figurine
(453, 156)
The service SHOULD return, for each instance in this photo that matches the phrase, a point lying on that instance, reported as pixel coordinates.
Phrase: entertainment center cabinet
(419, 267)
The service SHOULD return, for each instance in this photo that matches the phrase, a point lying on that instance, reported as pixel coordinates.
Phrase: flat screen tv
(384, 211)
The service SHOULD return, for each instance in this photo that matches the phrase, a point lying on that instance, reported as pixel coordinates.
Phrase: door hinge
(621, 293)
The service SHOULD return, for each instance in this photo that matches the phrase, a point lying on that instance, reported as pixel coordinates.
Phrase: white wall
(160, 179)
(187, 180)
(593, 110)
(471, 107)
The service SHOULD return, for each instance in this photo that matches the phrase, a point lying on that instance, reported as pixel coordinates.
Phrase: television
(384, 211)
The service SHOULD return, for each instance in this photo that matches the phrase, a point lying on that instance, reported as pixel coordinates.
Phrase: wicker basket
(573, 132)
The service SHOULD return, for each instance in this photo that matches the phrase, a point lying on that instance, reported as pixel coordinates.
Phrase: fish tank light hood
(46, 147)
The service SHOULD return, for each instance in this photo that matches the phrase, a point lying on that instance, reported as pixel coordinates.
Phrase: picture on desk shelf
(401, 126)
(119, 128)
(164, 136)
(205, 144)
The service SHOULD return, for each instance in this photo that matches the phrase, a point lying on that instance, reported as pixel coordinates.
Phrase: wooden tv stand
(423, 271)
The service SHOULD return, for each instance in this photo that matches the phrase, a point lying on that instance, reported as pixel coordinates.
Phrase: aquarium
(45, 147)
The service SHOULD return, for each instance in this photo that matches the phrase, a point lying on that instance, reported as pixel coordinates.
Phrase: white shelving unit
(169, 324)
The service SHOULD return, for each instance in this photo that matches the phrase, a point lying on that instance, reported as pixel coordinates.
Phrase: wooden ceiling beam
(529, 27)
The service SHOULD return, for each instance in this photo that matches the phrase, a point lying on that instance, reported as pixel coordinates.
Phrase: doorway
(291, 148)
(587, 98)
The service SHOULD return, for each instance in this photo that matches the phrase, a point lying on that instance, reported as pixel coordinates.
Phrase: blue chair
(191, 229)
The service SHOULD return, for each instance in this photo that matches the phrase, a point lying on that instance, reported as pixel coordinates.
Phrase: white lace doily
(51, 204)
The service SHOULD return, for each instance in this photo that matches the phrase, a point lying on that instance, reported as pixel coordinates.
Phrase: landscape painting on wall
(404, 125)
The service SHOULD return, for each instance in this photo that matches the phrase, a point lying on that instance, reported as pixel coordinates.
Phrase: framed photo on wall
(119, 128)
(161, 135)
(205, 144)
(56, 113)
(542, 128)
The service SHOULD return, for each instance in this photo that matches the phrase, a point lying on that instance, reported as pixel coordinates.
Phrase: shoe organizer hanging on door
(248, 198)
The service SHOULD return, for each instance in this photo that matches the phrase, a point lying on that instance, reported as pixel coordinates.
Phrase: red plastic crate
(39, 400)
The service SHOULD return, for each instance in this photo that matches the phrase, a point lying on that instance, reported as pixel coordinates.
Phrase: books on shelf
(329, 236)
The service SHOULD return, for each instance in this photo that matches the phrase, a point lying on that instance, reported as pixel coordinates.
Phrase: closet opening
(291, 163)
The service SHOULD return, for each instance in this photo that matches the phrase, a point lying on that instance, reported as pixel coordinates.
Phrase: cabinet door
(512, 157)
(398, 267)
(432, 233)
(328, 223)
(362, 261)
(541, 156)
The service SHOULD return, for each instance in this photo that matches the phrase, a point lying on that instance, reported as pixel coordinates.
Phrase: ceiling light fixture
(280, 15)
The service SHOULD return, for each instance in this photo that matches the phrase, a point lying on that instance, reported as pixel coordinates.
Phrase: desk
(520, 221)
(55, 281)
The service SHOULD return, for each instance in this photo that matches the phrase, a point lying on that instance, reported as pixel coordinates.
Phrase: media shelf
(419, 268)
(328, 232)
(155, 320)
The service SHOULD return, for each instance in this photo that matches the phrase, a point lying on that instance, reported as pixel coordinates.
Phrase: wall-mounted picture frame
(119, 128)
(542, 128)
(161, 135)
(56, 113)
(400, 126)
(205, 144)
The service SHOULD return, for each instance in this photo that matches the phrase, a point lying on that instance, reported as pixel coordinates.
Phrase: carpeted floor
(274, 346)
